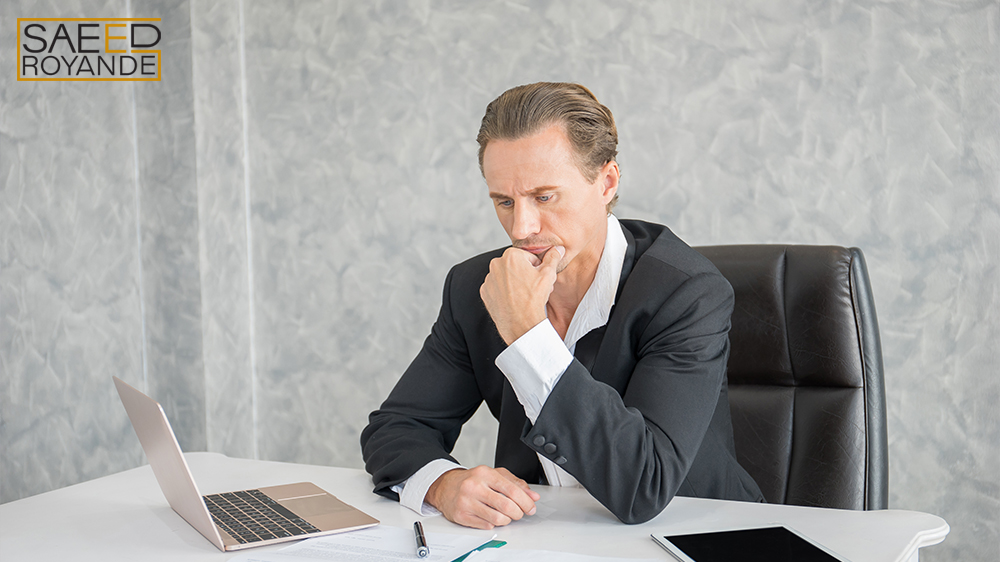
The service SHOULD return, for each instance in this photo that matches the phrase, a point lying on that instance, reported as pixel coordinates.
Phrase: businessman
(600, 345)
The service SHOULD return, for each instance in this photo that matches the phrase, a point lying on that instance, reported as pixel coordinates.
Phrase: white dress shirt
(534, 363)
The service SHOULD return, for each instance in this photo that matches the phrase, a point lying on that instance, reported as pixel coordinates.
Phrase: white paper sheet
(507, 554)
(376, 544)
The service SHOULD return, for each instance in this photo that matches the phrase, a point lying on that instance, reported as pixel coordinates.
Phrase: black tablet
(764, 544)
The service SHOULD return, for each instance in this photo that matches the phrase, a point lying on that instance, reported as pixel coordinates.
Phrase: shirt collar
(595, 308)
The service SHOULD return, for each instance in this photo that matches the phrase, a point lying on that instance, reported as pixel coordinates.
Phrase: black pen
(422, 550)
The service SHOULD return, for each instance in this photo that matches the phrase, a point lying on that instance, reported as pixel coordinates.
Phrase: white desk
(125, 517)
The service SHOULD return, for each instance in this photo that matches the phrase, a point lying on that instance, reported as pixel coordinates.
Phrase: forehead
(545, 158)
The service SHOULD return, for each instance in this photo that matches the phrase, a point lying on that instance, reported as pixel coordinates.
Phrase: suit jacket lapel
(588, 347)
(627, 265)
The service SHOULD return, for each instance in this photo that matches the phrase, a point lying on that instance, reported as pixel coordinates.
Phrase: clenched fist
(517, 289)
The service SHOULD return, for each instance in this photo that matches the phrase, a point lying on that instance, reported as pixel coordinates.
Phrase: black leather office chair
(806, 384)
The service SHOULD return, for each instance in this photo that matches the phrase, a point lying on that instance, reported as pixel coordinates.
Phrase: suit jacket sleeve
(649, 399)
(423, 415)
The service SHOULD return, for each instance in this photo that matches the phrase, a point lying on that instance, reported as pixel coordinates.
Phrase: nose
(526, 222)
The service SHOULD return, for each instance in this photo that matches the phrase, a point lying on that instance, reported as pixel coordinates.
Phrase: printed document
(513, 555)
(376, 544)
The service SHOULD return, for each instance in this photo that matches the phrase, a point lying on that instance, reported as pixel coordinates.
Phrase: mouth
(537, 250)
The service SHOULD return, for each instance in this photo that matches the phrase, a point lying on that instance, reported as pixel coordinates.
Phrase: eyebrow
(531, 192)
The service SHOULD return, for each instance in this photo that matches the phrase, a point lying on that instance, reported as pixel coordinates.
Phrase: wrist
(515, 333)
(433, 493)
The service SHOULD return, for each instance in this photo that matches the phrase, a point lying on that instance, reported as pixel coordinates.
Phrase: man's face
(542, 199)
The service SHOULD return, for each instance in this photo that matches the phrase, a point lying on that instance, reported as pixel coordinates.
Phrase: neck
(572, 284)
(563, 303)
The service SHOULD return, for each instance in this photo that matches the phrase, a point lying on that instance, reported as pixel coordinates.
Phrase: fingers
(521, 483)
(514, 253)
(516, 491)
(505, 499)
(534, 260)
(481, 497)
(553, 256)
(515, 292)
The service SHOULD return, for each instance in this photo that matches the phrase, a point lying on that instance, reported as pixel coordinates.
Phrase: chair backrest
(806, 384)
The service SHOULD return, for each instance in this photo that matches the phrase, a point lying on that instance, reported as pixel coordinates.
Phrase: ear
(608, 179)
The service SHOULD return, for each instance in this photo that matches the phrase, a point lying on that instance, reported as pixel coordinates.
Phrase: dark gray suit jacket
(640, 415)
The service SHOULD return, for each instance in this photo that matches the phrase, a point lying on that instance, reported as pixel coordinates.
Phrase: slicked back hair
(525, 110)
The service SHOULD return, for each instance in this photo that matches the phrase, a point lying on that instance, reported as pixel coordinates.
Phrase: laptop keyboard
(251, 516)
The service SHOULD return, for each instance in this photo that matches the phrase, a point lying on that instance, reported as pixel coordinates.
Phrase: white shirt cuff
(533, 364)
(413, 490)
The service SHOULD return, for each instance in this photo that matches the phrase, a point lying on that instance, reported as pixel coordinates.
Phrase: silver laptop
(234, 520)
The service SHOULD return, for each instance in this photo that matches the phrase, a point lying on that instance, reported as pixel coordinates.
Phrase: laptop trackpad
(315, 505)
(305, 499)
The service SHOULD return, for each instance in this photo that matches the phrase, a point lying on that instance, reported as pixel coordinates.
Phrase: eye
(505, 203)
(544, 198)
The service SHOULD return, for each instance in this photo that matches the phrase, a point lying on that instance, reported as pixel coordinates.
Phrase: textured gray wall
(99, 259)
(260, 239)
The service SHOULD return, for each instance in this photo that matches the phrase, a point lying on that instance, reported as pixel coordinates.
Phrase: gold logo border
(159, 55)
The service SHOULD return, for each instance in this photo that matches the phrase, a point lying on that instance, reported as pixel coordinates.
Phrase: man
(599, 345)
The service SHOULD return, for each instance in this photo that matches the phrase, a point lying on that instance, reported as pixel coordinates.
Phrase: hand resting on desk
(482, 497)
